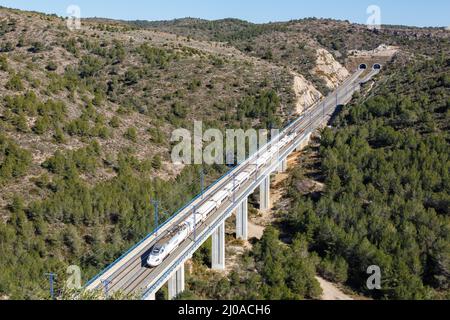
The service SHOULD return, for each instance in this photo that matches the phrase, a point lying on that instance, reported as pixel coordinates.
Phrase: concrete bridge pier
(176, 283)
(283, 166)
(218, 248)
(304, 143)
(264, 195)
(242, 220)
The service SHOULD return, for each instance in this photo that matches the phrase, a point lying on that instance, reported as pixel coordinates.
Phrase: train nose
(153, 261)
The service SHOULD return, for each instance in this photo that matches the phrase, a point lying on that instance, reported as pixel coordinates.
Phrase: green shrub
(89, 66)
(179, 110)
(131, 134)
(194, 84)
(154, 56)
(41, 125)
(14, 161)
(15, 83)
(7, 46)
(67, 163)
(21, 123)
(59, 135)
(131, 77)
(78, 127)
(334, 270)
(157, 162)
(37, 47)
(114, 122)
(157, 136)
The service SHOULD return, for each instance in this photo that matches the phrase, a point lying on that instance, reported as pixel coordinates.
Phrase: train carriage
(220, 197)
(206, 209)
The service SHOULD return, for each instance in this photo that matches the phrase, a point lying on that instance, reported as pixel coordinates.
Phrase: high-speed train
(181, 232)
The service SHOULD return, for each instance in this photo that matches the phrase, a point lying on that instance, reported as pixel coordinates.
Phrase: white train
(178, 234)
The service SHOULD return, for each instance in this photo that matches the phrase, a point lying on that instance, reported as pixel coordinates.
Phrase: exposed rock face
(382, 51)
(329, 69)
(305, 92)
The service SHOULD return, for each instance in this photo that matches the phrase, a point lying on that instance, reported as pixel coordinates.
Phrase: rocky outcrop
(329, 69)
(381, 51)
(306, 94)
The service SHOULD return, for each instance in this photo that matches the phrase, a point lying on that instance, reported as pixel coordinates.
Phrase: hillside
(122, 88)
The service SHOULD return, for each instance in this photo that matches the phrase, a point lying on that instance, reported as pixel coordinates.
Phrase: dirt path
(331, 292)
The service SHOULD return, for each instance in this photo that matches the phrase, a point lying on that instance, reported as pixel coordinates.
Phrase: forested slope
(387, 186)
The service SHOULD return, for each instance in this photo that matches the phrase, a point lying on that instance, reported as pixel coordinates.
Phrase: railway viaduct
(129, 273)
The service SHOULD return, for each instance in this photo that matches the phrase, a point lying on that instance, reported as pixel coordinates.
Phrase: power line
(156, 213)
(51, 277)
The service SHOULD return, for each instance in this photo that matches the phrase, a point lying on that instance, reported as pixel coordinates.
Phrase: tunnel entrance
(376, 66)
(362, 66)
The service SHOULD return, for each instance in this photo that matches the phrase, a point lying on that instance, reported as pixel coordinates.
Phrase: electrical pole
(202, 181)
(106, 284)
(195, 225)
(51, 277)
(156, 206)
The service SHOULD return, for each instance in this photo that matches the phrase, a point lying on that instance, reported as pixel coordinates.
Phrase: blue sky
(406, 12)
